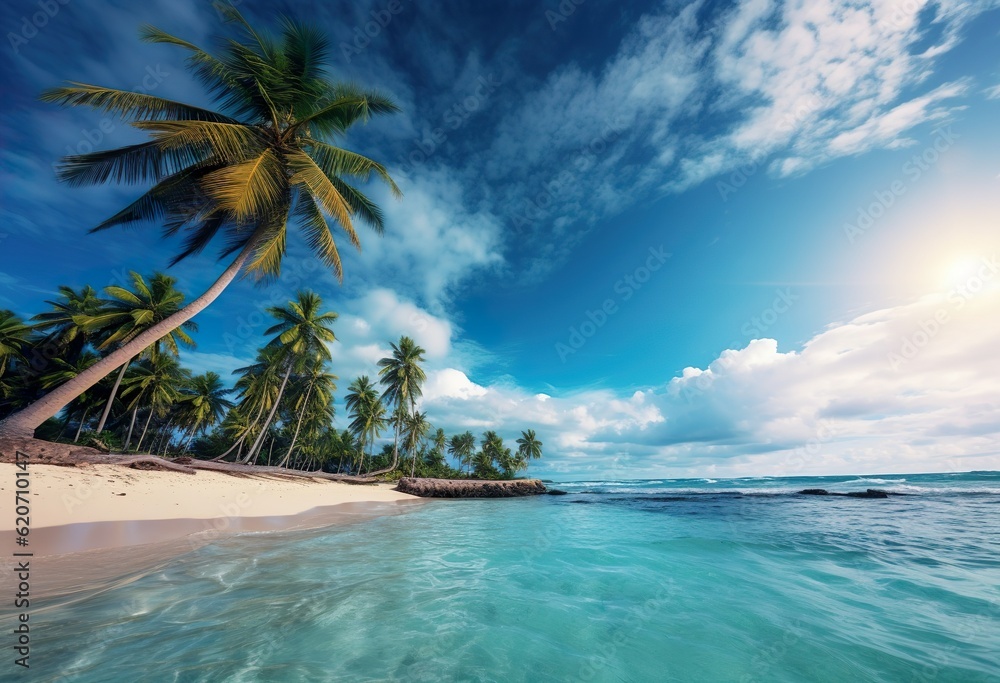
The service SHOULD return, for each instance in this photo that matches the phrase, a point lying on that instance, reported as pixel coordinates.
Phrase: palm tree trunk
(267, 423)
(80, 426)
(298, 426)
(131, 426)
(395, 453)
(111, 398)
(24, 422)
(243, 436)
(142, 436)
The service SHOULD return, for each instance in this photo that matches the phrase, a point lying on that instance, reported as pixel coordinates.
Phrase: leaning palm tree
(402, 377)
(416, 429)
(126, 314)
(13, 342)
(303, 331)
(62, 325)
(154, 384)
(203, 403)
(317, 401)
(268, 155)
(529, 447)
(367, 414)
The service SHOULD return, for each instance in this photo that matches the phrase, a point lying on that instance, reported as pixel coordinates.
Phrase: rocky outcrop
(870, 493)
(470, 488)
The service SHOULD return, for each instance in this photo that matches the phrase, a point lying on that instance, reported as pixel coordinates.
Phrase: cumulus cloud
(908, 388)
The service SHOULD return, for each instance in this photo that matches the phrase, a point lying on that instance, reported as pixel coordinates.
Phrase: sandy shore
(74, 509)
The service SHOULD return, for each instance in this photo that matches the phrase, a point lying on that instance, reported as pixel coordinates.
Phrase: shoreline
(93, 507)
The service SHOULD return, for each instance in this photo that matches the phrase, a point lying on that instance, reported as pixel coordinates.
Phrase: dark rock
(470, 488)
(815, 492)
(556, 492)
(870, 493)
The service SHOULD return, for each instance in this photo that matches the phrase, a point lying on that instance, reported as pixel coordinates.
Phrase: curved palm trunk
(24, 422)
(259, 442)
(79, 427)
(243, 436)
(298, 426)
(395, 454)
(142, 436)
(131, 426)
(111, 398)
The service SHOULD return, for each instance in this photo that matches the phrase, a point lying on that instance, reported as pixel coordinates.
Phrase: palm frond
(338, 162)
(129, 104)
(318, 234)
(248, 189)
(311, 177)
(141, 163)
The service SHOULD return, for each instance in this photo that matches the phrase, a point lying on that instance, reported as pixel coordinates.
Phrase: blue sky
(685, 239)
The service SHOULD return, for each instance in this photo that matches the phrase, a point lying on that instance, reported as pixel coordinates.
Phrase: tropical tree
(529, 447)
(462, 447)
(416, 430)
(367, 413)
(316, 403)
(62, 371)
(64, 333)
(303, 331)
(13, 341)
(402, 377)
(154, 384)
(266, 157)
(126, 314)
(203, 403)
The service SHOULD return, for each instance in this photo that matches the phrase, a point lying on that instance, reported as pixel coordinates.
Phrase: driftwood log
(51, 453)
(470, 488)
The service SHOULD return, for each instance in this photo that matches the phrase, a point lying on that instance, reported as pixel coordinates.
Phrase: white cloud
(909, 388)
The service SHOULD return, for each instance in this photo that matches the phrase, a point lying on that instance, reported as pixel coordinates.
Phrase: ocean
(657, 580)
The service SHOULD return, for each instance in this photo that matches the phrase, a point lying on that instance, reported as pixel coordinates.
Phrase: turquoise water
(683, 580)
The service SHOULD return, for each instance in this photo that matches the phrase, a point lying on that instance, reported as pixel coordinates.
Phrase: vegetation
(266, 156)
(105, 368)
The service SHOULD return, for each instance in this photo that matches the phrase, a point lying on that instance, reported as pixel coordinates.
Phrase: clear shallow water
(684, 580)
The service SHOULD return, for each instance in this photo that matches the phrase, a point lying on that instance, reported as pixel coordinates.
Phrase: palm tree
(127, 314)
(242, 172)
(367, 413)
(317, 401)
(401, 375)
(303, 332)
(154, 384)
(203, 403)
(13, 341)
(462, 447)
(416, 429)
(62, 371)
(62, 325)
(529, 447)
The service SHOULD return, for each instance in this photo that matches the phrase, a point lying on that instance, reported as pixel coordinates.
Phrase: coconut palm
(463, 447)
(303, 331)
(402, 376)
(13, 342)
(62, 326)
(415, 430)
(62, 371)
(153, 384)
(317, 402)
(203, 403)
(367, 413)
(126, 314)
(529, 447)
(268, 156)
